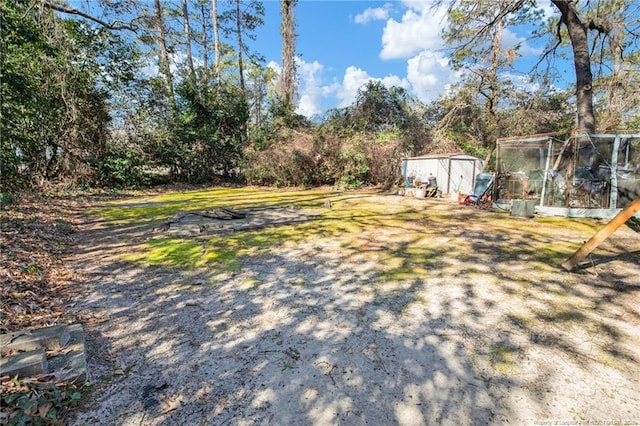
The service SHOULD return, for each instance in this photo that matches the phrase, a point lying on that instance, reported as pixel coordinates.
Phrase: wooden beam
(615, 223)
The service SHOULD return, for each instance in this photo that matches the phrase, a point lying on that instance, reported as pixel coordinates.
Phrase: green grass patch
(404, 273)
(175, 252)
(503, 359)
(162, 207)
(424, 241)
(298, 282)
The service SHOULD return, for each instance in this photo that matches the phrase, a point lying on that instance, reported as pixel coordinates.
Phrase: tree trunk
(164, 55)
(496, 45)
(582, 62)
(187, 36)
(216, 38)
(205, 44)
(240, 45)
(288, 77)
(494, 128)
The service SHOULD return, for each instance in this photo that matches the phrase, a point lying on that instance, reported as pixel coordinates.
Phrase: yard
(323, 307)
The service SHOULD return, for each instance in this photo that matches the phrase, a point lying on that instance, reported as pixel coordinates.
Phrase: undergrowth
(37, 400)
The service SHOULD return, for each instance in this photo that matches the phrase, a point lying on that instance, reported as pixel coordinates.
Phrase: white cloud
(419, 29)
(354, 78)
(315, 92)
(511, 39)
(312, 90)
(430, 75)
(416, 38)
(373, 14)
(275, 66)
(547, 8)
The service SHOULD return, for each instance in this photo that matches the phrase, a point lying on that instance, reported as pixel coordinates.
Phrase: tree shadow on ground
(408, 317)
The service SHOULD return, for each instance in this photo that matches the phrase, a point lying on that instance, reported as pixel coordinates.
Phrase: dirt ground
(456, 318)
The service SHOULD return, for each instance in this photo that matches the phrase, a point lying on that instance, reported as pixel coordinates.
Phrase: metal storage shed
(456, 173)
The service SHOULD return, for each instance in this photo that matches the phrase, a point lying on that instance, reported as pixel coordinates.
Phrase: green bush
(120, 168)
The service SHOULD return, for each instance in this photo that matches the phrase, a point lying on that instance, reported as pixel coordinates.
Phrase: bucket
(461, 198)
(421, 193)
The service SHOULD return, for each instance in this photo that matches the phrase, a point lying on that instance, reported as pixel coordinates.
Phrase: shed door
(462, 176)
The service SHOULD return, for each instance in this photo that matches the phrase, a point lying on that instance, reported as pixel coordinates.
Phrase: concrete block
(67, 341)
(54, 337)
(71, 365)
(24, 364)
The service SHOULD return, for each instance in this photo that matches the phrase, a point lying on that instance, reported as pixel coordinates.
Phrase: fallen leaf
(170, 404)
(44, 409)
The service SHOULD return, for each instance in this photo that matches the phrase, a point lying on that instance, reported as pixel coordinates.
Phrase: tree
(591, 27)
(66, 9)
(582, 62)
(163, 54)
(475, 30)
(240, 44)
(288, 79)
(21, 109)
(261, 83)
(379, 108)
(208, 142)
(187, 36)
(57, 74)
(243, 20)
(604, 42)
(216, 39)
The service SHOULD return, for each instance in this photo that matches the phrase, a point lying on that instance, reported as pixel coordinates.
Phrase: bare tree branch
(551, 50)
(115, 25)
(487, 27)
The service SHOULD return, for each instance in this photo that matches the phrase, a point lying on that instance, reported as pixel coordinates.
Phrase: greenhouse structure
(582, 175)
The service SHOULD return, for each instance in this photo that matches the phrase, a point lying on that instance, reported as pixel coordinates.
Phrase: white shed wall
(454, 174)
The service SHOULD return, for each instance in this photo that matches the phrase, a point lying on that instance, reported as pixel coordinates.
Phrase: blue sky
(343, 44)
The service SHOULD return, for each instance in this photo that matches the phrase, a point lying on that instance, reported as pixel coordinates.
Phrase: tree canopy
(126, 93)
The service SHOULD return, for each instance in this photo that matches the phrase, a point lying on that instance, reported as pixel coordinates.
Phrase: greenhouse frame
(581, 175)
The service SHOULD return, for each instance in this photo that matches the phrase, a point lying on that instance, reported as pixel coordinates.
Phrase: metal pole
(546, 171)
(613, 197)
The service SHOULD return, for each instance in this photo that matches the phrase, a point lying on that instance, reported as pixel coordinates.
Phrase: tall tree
(288, 78)
(187, 37)
(603, 38)
(216, 39)
(577, 31)
(242, 21)
(475, 31)
(613, 42)
(261, 84)
(163, 54)
(240, 45)
(204, 41)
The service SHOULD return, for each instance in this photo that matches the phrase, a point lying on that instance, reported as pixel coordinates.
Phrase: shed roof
(459, 155)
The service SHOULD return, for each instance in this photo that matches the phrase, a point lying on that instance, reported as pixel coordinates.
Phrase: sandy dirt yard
(369, 310)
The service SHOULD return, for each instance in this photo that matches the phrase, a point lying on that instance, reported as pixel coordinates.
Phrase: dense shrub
(121, 168)
(326, 158)
(290, 163)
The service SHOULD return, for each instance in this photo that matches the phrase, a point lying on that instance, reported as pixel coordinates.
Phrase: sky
(342, 44)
